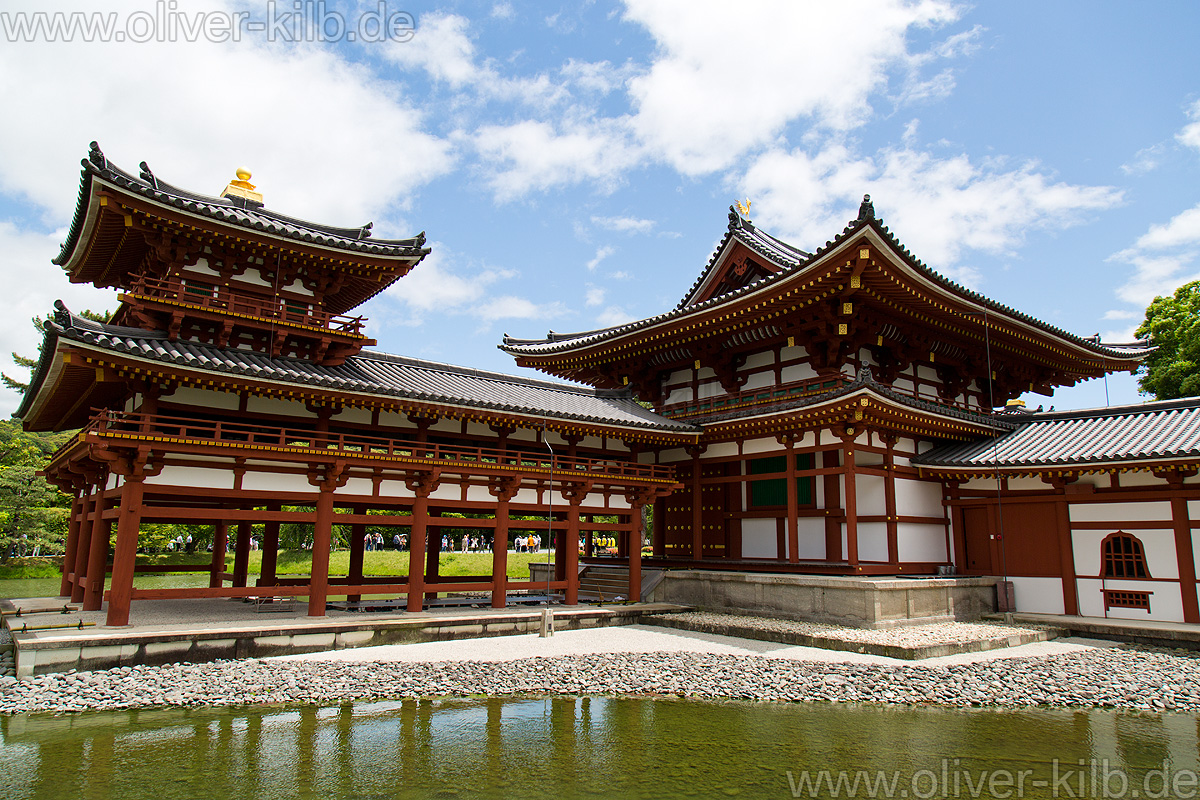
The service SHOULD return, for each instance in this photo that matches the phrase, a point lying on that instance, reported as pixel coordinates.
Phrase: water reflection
(578, 747)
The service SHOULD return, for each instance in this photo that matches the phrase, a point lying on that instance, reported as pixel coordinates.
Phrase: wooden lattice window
(1116, 598)
(774, 492)
(1124, 557)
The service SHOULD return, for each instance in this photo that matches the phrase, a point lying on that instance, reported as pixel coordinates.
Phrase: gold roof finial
(241, 187)
(743, 209)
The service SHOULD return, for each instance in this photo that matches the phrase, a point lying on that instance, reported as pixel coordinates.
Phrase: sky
(572, 165)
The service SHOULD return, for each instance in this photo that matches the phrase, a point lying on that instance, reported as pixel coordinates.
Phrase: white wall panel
(271, 405)
(1120, 512)
(765, 358)
(872, 541)
(446, 491)
(361, 487)
(758, 380)
(918, 498)
(203, 398)
(759, 539)
(271, 482)
(797, 372)
(1139, 479)
(1038, 595)
(811, 531)
(870, 496)
(919, 542)
(720, 450)
(761, 446)
(354, 416)
(196, 477)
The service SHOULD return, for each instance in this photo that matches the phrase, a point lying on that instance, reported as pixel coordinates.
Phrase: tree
(33, 514)
(1173, 324)
(20, 387)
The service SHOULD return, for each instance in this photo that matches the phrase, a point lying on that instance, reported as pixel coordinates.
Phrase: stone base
(854, 602)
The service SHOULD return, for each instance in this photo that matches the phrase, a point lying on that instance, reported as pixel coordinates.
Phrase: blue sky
(572, 165)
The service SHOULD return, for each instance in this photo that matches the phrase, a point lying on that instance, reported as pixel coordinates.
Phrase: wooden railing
(215, 298)
(782, 393)
(116, 425)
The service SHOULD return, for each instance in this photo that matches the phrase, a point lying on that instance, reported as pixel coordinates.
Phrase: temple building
(831, 412)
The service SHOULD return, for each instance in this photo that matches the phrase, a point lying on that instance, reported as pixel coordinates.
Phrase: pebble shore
(1132, 678)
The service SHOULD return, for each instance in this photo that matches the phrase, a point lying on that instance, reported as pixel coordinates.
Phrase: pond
(566, 747)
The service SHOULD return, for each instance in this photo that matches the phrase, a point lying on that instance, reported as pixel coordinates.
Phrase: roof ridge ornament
(866, 210)
(147, 175)
(96, 156)
(241, 187)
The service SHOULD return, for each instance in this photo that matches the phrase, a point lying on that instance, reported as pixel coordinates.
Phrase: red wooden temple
(825, 412)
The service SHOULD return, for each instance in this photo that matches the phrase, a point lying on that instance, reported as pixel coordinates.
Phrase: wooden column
(241, 553)
(659, 539)
(788, 441)
(503, 490)
(93, 505)
(97, 557)
(77, 521)
(1184, 552)
(568, 552)
(220, 543)
(637, 499)
(128, 525)
(420, 487)
(1066, 555)
(354, 573)
(318, 577)
(697, 505)
(889, 499)
(270, 549)
(851, 502)
(833, 506)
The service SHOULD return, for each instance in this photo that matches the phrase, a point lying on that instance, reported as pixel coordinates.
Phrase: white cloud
(1162, 258)
(1145, 160)
(1121, 314)
(31, 285)
(624, 224)
(613, 316)
(595, 295)
(939, 208)
(530, 155)
(601, 254)
(1190, 135)
(715, 89)
(194, 130)
(437, 285)
(511, 307)
(503, 11)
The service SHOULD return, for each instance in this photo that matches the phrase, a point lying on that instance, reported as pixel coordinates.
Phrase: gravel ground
(1121, 677)
(912, 636)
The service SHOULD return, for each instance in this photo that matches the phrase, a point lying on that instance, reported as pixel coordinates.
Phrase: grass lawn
(39, 577)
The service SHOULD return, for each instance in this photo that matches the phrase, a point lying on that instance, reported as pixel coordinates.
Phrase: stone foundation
(855, 602)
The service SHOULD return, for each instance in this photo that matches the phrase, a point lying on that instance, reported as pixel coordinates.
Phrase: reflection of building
(823, 412)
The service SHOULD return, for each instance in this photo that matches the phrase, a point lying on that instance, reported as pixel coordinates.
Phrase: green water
(595, 747)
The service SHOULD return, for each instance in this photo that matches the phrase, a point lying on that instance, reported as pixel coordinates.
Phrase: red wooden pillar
(318, 578)
(833, 506)
(570, 553)
(416, 541)
(93, 504)
(1184, 551)
(241, 553)
(889, 499)
(851, 499)
(128, 525)
(697, 506)
(270, 549)
(636, 501)
(503, 490)
(793, 502)
(220, 543)
(78, 506)
(97, 557)
(1066, 556)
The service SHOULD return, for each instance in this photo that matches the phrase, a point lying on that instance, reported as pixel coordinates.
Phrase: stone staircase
(610, 584)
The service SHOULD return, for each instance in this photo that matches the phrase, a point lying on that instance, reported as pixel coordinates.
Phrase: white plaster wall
(706, 374)
(1022, 484)
(797, 372)
(354, 416)
(523, 435)
(593, 442)
(680, 395)
(1196, 550)
(673, 456)
(618, 445)
(1193, 507)
(114, 481)
(790, 353)
(446, 426)
(1166, 603)
(1158, 545)
(872, 541)
(1119, 512)
(903, 385)
(479, 429)
(812, 538)
(1038, 595)
(916, 498)
(479, 494)
(868, 459)
(271, 405)
(759, 539)
(1140, 478)
(390, 419)
(276, 482)
(921, 542)
(616, 501)
(202, 267)
(980, 483)
(526, 497)
(446, 492)
(204, 398)
(758, 360)
(761, 446)
(870, 496)
(720, 450)
(758, 380)
(927, 373)
(196, 477)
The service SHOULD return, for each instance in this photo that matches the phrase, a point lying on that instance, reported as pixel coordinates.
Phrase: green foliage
(1173, 323)
(33, 514)
(20, 387)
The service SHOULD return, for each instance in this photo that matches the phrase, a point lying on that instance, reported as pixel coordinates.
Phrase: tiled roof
(567, 342)
(864, 380)
(234, 211)
(370, 373)
(1153, 431)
